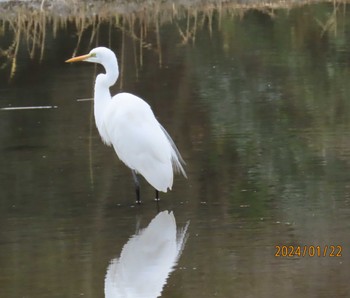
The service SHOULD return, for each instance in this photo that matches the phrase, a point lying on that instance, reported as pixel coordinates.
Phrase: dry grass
(30, 20)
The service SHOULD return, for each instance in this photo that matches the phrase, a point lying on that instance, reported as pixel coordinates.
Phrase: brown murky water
(258, 104)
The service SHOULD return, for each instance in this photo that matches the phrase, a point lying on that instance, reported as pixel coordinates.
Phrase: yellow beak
(79, 58)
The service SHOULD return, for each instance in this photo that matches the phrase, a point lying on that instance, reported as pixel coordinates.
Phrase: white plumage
(127, 122)
(146, 260)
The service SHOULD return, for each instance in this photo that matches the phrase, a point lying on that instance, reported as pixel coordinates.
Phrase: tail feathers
(177, 164)
(176, 158)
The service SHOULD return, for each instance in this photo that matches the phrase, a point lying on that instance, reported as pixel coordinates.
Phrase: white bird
(147, 260)
(127, 123)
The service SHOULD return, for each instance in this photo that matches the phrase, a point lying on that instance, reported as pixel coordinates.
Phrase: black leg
(157, 200)
(137, 187)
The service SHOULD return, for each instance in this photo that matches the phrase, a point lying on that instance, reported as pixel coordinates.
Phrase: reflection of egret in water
(146, 260)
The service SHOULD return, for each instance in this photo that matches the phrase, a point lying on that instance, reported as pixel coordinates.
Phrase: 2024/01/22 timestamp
(308, 251)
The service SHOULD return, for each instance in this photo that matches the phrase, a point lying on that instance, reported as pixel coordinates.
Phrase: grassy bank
(35, 23)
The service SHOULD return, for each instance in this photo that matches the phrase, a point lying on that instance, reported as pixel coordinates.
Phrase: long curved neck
(102, 94)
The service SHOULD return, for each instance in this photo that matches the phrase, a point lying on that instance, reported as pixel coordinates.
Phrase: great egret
(127, 123)
(147, 259)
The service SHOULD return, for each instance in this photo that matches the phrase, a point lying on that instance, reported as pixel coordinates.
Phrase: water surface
(256, 101)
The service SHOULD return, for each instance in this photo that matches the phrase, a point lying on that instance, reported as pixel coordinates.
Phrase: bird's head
(96, 55)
